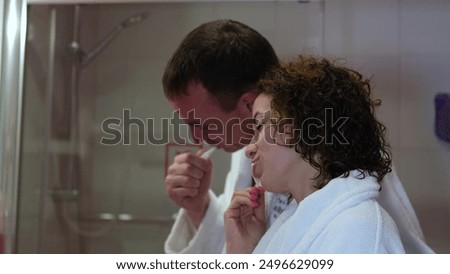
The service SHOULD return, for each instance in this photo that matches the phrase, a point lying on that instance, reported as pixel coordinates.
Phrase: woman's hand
(245, 220)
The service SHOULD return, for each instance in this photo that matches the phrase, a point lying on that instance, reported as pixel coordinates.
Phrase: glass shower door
(78, 195)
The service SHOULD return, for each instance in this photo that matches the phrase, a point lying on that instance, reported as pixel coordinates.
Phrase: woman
(316, 138)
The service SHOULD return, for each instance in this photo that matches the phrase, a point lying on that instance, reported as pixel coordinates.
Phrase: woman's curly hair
(307, 90)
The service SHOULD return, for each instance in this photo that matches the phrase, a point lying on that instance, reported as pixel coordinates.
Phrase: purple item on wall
(442, 122)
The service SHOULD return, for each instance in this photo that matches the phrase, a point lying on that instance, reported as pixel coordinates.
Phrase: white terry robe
(395, 201)
(210, 238)
(343, 217)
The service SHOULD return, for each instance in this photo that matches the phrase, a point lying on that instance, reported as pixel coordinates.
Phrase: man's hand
(188, 181)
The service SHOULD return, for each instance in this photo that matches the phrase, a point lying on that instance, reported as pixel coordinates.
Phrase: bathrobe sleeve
(210, 236)
(208, 239)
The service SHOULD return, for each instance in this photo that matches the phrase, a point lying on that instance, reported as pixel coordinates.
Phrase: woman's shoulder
(367, 226)
(363, 229)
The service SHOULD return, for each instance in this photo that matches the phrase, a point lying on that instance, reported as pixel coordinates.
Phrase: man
(212, 74)
(210, 80)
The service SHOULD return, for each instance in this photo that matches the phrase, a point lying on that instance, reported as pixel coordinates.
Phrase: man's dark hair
(226, 56)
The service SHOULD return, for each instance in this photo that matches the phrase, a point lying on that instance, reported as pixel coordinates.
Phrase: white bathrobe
(210, 238)
(395, 201)
(343, 217)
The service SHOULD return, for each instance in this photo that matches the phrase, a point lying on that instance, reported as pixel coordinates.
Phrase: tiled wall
(405, 47)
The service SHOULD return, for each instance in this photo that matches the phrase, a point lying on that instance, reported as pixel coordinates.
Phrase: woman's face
(273, 163)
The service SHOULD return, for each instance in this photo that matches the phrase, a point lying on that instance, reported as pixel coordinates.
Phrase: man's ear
(247, 99)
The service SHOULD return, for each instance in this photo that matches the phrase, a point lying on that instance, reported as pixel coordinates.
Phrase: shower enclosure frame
(13, 14)
(13, 29)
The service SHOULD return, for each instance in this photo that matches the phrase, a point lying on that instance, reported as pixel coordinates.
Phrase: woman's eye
(258, 127)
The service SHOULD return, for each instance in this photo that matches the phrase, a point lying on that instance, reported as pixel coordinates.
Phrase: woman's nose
(250, 150)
